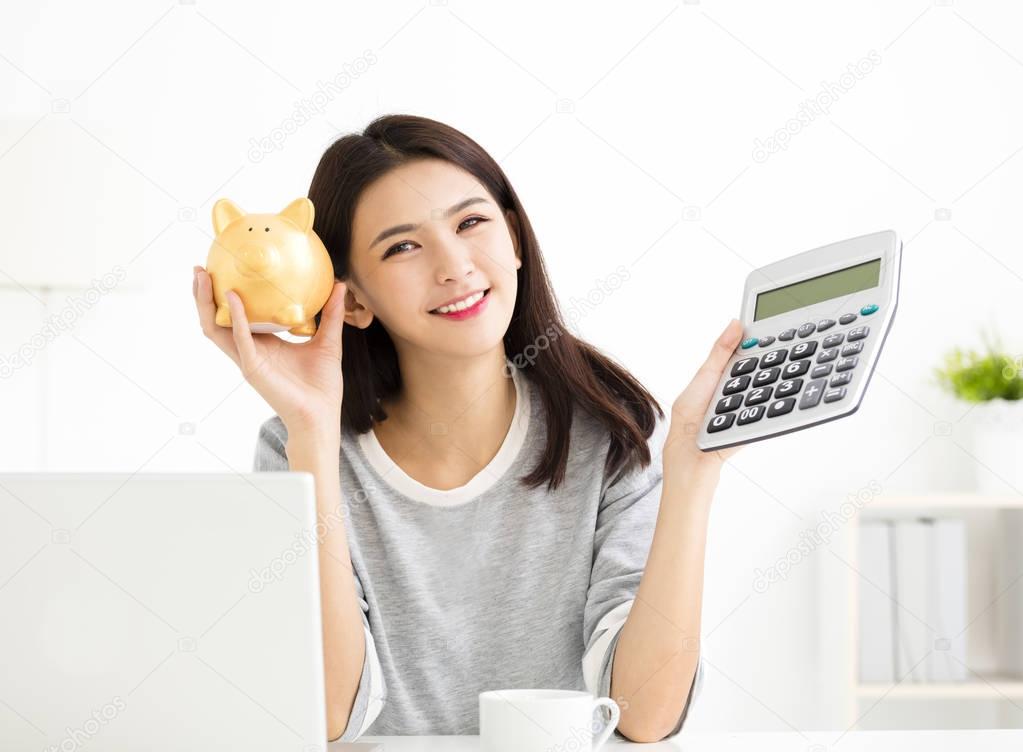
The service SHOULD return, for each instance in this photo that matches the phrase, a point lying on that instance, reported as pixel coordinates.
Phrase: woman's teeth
(462, 304)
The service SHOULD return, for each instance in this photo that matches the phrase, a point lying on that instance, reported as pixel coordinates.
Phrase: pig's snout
(257, 261)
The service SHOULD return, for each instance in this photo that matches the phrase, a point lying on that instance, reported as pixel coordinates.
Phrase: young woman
(511, 507)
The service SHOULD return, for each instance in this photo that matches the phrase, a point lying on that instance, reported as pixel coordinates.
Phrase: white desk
(967, 740)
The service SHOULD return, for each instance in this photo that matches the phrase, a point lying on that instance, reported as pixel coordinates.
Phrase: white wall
(123, 122)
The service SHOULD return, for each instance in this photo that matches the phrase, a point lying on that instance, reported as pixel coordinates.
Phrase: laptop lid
(160, 611)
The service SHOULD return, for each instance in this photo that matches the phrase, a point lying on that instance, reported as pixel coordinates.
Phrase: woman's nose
(455, 259)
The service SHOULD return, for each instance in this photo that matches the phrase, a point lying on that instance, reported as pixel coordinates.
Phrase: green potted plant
(990, 380)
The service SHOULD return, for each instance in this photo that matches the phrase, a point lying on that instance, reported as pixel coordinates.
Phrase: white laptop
(160, 612)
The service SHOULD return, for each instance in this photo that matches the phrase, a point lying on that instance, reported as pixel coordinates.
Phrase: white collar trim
(397, 479)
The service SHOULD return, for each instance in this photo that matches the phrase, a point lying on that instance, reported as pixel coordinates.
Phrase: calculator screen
(816, 289)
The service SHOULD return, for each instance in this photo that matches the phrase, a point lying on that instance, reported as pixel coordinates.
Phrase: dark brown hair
(567, 373)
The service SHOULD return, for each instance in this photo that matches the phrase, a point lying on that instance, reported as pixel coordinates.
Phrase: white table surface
(965, 740)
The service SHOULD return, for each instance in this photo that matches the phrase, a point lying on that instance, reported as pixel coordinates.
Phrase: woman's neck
(450, 418)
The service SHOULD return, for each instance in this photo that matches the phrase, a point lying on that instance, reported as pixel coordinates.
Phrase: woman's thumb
(332, 317)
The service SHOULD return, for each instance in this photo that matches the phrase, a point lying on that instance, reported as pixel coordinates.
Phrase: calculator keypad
(770, 385)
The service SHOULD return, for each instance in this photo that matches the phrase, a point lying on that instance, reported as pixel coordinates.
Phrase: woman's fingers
(202, 288)
(241, 334)
(332, 318)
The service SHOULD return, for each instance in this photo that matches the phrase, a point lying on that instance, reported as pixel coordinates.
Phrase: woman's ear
(356, 314)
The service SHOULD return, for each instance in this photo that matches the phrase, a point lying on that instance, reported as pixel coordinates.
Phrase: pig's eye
(250, 229)
(267, 229)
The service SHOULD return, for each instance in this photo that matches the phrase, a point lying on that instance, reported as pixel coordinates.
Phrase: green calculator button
(868, 309)
(749, 342)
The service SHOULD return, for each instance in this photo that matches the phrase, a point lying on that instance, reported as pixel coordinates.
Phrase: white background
(123, 122)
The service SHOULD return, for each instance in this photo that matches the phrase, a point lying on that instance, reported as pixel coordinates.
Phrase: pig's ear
(224, 213)
(300, 211)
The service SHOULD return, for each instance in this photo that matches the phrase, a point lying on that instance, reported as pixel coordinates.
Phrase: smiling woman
(500, 478)
(415, 214)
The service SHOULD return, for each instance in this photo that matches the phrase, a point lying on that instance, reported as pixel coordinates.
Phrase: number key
(720, 422)
(803, 350)
(767, 376)
(773, 358)
(730, 402)
(736, 385)
(743, 366)
(749, 415)
(785, 388)
(796, 368)
(758, 395)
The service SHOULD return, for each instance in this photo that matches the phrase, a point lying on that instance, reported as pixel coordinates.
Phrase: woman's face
(423, 234)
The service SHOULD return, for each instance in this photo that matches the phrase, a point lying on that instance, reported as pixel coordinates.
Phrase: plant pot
(998, 446)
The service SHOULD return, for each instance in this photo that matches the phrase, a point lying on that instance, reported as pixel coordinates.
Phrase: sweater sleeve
(270, 456)
(626, 519)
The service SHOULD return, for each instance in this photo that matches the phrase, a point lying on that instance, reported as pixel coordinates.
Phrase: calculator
(813, 325)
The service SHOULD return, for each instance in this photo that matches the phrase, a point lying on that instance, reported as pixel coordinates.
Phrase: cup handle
(612, 724)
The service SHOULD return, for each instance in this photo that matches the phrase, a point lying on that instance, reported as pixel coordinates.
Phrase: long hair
(566, 373)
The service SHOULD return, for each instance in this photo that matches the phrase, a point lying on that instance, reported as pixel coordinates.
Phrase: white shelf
(891, 704)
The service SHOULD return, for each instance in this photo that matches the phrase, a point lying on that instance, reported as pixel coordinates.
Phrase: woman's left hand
(690, 409)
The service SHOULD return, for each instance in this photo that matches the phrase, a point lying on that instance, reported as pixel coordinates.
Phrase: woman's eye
(477, 221)
(394, 248)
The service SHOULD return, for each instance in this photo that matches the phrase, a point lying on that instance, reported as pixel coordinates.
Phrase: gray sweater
(490, 585)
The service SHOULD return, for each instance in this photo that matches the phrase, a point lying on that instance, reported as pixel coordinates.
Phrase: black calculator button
(841, 379)
(846, 363)
(803, 350)
(765, 341)
(820, 371)
(825, 324)
(812, 394)
(847, 318)
(832, 340)
(795, 368)
(806, 329)
(853, 348)
(735, 385)
(781, 407)
(730, 402)
(858, 332)
(749, 415)
(785, 388)
(758, 395)
(720, 422)
(744, 366)
(767, 376)
(828, 355)
(834, 395)
(787, 335)
(773, 358)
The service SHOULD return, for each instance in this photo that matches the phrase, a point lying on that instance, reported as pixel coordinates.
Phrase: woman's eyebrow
(409, 227)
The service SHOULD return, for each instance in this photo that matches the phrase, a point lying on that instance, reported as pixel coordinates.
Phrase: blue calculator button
(868, 309)
(749, 342)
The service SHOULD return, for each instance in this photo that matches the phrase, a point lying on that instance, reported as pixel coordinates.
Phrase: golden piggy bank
(276, 264)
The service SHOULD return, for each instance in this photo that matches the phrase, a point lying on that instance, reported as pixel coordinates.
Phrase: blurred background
(864, 574)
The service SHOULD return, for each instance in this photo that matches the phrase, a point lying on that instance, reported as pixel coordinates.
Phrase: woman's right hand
(301, 381)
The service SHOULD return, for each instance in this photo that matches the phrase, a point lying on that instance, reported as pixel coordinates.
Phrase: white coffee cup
(544, 720)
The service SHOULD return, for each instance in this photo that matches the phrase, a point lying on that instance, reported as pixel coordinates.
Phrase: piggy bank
(276, 264)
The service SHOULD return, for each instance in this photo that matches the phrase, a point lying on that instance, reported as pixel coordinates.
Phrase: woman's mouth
(456, 314)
